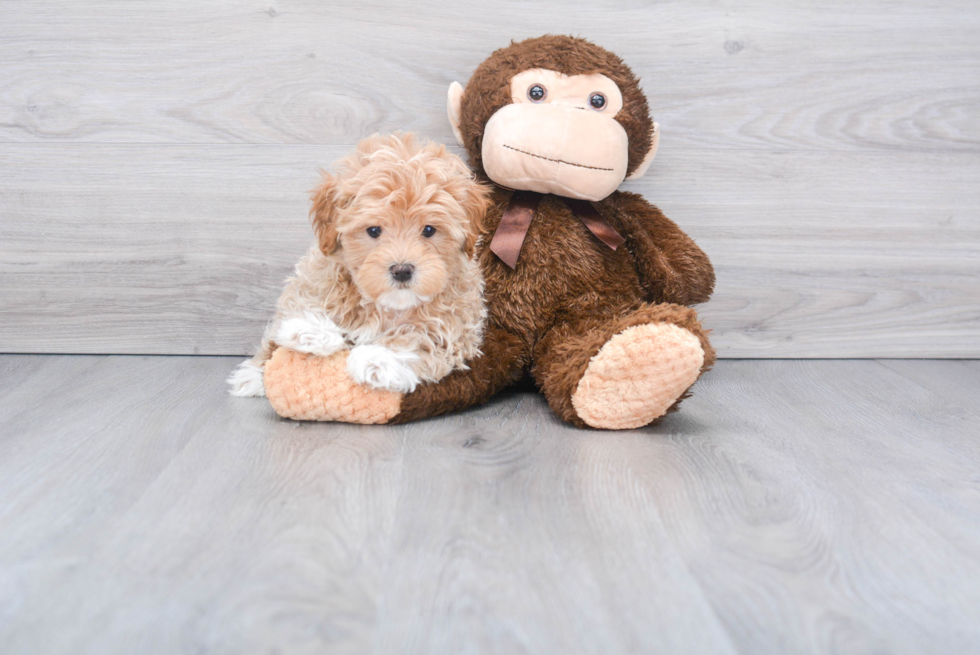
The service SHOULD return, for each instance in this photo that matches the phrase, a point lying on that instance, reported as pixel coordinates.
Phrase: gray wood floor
(155, 158)
(791, 507)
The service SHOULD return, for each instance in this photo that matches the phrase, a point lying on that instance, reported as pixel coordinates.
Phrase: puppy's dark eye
(597, 100)
(428, 231)
(536, 93)
(374, 232)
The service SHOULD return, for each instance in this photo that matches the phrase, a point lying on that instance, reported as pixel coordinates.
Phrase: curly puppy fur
(345, 293)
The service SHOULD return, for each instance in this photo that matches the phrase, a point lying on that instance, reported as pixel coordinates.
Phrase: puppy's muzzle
(401, 273)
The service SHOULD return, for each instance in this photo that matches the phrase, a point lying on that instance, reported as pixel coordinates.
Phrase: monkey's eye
(374, 232)
(598, 101)
(428, 231)
(536, 93)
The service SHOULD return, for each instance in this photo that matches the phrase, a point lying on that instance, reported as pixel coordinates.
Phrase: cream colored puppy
(393, 276)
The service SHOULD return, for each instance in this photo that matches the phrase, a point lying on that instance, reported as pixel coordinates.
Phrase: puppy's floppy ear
(323, 213)
(475, 202)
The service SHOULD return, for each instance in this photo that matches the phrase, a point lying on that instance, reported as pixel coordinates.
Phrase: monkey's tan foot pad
(311, 388)
(637, 375)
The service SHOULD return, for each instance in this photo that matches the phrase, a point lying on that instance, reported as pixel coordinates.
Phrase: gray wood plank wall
(154, 159)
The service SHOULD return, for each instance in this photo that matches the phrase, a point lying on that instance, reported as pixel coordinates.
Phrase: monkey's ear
(651, 153)
(323, 213)
(453, 104)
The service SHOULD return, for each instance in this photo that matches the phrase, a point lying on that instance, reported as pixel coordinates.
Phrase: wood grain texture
(791, 507)
(956, 381)
(155, 159)
(719, 74)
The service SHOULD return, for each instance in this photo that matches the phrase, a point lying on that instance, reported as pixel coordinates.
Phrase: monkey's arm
(311, 388)
(672, 267)
(501, 365)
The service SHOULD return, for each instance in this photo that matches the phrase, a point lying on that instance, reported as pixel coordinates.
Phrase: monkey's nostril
(401, 272)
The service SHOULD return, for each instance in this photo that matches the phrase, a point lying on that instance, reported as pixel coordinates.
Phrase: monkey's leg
(310, 388)
(625, 371)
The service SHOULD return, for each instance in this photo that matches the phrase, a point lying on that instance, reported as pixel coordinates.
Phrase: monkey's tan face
(558, 136)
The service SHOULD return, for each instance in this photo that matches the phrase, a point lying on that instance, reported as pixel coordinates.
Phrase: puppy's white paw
(382, 368)
(246, 380)
(312, 333)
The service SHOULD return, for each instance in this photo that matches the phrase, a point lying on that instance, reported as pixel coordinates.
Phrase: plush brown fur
(568, 295)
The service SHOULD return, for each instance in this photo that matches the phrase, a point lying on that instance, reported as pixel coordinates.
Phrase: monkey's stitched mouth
(559, 161)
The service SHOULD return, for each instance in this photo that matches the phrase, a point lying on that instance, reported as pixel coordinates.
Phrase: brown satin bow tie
(514, 224)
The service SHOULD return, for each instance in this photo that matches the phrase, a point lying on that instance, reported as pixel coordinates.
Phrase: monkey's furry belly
(564, 273)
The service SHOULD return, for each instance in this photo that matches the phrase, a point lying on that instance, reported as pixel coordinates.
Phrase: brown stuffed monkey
(588, 288)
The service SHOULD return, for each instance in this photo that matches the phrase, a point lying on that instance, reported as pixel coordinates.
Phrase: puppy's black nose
(402, 272)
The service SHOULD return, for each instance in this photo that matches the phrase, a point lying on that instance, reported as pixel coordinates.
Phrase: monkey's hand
(307, 387)
(310, 388)
(672, 268)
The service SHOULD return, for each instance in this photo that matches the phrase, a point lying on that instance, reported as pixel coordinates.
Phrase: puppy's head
(402, 215)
